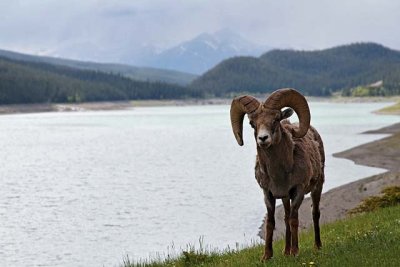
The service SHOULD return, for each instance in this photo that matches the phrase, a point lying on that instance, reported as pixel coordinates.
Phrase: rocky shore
(383, 153)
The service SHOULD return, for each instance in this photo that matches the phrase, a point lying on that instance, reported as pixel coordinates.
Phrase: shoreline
(382, 153)
(10, 109)
(63, 107)
(123, 105)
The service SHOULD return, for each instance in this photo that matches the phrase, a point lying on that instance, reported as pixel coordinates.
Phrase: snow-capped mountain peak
(204, 51)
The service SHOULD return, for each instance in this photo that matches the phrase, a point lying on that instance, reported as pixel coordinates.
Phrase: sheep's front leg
(270, 226)
(288, 237)
(297, 196)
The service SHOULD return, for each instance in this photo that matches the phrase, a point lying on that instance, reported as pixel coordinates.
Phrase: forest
(317, 73)
(37, 82)
(347, 70)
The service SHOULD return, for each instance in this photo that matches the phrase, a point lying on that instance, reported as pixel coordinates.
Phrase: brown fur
(288, 169)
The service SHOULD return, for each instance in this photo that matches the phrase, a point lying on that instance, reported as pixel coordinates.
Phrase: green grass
(393, 109)
(368, 239)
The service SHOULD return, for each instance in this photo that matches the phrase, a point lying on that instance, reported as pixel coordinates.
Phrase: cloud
(46, 25)
(120, 12)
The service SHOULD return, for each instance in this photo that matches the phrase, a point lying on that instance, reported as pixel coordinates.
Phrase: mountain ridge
(23, 82)
(133, 72)
(194, 56)
(319, 72)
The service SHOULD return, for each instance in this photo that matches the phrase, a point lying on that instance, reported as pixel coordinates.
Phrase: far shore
(64, 107)
(335, 204)
(104, 106)
(123, 105)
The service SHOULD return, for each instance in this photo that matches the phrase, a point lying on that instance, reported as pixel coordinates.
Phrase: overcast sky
(42, 26)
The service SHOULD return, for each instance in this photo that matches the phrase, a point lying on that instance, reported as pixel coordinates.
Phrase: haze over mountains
(194, 56)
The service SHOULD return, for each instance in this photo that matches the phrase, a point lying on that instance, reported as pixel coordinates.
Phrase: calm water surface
(86, 189)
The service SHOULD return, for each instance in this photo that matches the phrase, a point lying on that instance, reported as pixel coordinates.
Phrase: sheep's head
(265, 117)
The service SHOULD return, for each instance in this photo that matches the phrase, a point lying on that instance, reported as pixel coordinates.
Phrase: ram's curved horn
(289, 97)
(240, 106)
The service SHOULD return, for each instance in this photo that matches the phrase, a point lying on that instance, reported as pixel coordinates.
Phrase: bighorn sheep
(290, 159)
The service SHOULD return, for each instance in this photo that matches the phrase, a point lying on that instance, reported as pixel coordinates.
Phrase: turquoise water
(88, 188)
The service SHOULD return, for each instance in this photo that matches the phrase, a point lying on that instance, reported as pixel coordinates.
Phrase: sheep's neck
(278, 162)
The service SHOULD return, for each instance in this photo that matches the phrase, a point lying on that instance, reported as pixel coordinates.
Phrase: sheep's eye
(274, 125)
(252, 125)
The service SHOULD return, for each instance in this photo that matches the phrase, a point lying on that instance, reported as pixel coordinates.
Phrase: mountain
(312, 72)
(203, 52)
(136, 73)
(37, 82)
(194, 56)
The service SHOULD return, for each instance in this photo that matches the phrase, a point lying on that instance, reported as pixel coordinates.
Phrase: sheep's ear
(286, 113)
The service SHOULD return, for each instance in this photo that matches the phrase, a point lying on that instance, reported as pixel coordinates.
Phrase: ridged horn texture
(289, 97)
(240, 106)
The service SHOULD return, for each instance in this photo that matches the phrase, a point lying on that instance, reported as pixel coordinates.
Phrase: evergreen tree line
(317, 73)
(35, 82)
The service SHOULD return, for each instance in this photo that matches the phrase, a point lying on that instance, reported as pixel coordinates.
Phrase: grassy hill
(370, 239)
(136, 73)
(312, 72)
(36, 82)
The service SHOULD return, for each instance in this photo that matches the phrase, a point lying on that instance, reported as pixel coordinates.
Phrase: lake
(88, 188)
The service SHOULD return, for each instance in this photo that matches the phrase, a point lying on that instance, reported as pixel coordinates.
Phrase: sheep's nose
(263, 138)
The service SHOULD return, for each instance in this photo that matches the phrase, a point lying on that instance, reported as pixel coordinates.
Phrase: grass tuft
(390, 197)
(393, 109)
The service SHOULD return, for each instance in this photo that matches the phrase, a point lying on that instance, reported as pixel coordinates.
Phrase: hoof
(294, 252)
(317, 246)
(286, 251)
(266, 257)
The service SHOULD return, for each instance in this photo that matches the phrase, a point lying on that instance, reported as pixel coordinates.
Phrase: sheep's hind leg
(297, 196)
(316, 197)
(270, 226)
(288, 238)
